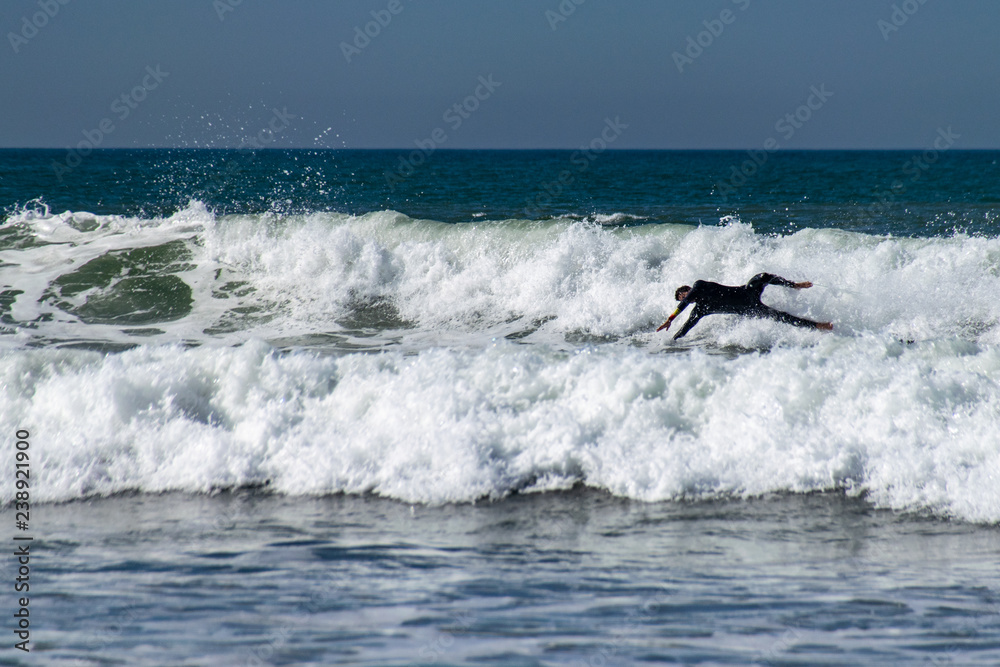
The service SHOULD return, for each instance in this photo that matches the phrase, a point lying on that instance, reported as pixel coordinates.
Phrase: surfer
(712, 298)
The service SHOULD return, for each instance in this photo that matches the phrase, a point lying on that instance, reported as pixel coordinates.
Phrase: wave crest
(390, 277)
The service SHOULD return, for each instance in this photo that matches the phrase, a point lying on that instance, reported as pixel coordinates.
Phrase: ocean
(301, 407)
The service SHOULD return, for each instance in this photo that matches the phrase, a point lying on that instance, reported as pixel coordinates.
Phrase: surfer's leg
(771, 313)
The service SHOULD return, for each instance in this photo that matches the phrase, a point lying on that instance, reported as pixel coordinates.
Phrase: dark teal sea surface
(908, 193)
(403, 408)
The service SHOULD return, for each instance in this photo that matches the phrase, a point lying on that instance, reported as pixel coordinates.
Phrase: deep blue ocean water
(905, 193)
(389, 408)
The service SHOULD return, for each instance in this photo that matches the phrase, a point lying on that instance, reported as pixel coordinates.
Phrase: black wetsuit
(742, 300)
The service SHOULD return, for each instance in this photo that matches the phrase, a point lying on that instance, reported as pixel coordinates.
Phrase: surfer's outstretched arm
(695, 316)
(670, 320)
(685, 295)
(693, 320)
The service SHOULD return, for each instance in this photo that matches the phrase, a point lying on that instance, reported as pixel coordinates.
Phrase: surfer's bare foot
(825, 326)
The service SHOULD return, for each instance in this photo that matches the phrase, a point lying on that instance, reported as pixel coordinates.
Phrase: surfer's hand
(803, 284)
(666, 325)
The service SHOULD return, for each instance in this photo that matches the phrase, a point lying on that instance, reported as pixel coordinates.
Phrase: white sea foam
(914, 427)
(302, 275)
(901, 402)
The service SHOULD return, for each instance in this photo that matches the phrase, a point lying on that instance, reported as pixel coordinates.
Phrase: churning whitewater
(431, 362)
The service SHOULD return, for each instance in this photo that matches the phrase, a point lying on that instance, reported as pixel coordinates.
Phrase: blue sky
(702, 74)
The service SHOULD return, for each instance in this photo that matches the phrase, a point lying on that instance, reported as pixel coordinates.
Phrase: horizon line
(471, 150)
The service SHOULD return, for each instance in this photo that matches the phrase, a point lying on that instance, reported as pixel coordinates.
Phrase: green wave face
(133, 287)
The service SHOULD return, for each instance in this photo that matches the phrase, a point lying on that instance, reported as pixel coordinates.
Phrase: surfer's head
(682, 292)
